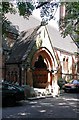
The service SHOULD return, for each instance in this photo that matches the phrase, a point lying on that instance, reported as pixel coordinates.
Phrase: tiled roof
(23, 45)
(22, 23)
(66, 44)
(25, 41)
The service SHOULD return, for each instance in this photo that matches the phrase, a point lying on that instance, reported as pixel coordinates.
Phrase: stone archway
(42, 76)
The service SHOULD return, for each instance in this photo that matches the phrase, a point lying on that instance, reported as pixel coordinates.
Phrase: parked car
(11, 93)
(26, 89)
(72, 86)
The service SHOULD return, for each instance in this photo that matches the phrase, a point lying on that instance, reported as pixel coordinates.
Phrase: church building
(40, 56)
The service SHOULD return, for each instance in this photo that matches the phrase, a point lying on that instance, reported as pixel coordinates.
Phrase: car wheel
(66, 91)
(10, 101)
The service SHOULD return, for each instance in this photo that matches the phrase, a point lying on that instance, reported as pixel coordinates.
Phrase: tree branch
(42, 3)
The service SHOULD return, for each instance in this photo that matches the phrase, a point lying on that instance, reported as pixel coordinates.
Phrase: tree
(70, 23)
(25, 9)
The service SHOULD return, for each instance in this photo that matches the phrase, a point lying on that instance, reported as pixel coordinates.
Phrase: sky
(25, 24)
(54, 23)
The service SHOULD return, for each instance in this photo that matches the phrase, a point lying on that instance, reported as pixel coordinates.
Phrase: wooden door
(40, 78)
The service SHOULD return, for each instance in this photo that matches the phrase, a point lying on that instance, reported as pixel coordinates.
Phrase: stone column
(55, 85)
(30, 82)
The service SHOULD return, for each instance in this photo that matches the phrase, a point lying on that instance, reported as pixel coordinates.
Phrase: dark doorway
(40, 74)
(40, 63)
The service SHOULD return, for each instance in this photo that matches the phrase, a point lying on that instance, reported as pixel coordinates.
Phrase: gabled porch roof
(23, 45)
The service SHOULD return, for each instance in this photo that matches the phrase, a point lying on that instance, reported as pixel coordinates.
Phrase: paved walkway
(64, 106)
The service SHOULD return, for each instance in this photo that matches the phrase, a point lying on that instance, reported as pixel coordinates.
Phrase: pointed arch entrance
(43, 63)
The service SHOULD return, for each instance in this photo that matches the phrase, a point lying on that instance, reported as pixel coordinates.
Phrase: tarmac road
(64, 106)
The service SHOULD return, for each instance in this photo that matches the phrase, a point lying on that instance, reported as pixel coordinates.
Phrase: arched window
(15, 76)
(78, 66)
(63, 59)
(8, 75)
(64, 63)
(12, 76)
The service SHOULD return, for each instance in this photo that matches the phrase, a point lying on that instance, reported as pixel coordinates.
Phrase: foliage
(48, 11)
(7, 7)
(61, 82)
(70, 23)
(25, 9)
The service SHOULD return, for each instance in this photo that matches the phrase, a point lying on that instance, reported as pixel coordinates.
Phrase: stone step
(39, 97)
(41, 92)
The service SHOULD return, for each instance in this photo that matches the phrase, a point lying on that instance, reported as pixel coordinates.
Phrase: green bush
(61, 82)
